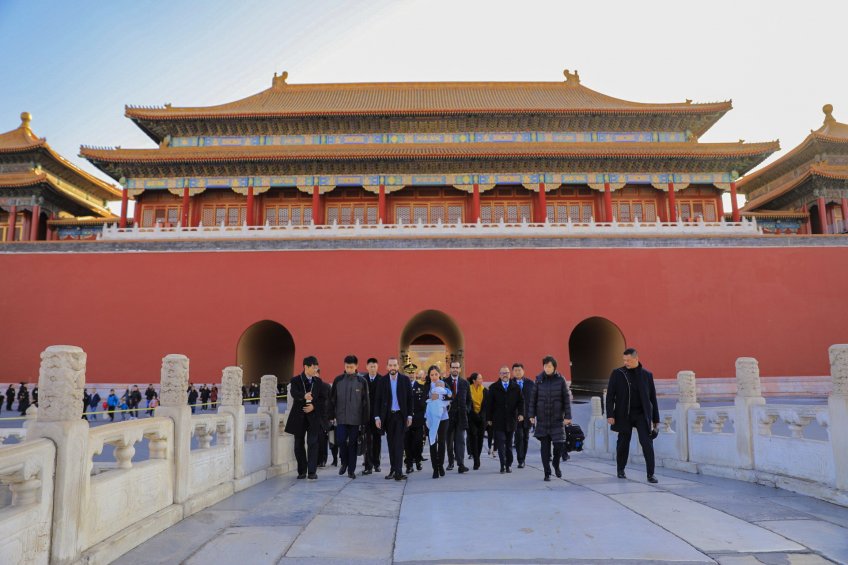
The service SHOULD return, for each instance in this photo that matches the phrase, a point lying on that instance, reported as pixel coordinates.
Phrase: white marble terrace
(58, 507)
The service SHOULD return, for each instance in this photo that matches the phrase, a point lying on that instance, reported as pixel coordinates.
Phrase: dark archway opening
(266, 348)
(595, 347)
(431, 337)
(815, 223)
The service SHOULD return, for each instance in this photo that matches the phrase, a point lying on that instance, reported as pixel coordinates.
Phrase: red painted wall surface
(687, 308)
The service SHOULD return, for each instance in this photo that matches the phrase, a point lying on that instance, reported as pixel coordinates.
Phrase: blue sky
(75, 64)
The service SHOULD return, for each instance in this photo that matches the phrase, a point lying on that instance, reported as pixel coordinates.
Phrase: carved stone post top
(61, 380)
(687, 387)
(231, 383)
(839, 368)
(748, 378)
(174, 381)
(268, 391)
(597, 412)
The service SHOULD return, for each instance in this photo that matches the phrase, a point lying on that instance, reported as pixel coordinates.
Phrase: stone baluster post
(231, 403)
(173, 404)
(598, 432)
(61, 381)
(748, 394)
(268, 405)
(687, 399)
(837, 405)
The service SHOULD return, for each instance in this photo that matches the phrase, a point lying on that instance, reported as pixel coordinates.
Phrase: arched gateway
(595, 347)
(266, 348)
(431, 337)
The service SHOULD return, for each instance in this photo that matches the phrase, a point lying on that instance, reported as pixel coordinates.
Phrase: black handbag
(574, 438)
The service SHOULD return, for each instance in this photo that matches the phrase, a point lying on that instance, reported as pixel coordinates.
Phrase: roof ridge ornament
(279, 81)
(26, 118)
(571, 79)
(828, 114)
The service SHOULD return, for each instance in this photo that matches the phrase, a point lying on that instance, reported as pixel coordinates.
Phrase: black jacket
(384, 398)
(504, 406)
(372, 392)
(460, 405)
(550, 405)
(527, 393)
(297, 422)
(350, 402)
(419, 401)
(619, 390)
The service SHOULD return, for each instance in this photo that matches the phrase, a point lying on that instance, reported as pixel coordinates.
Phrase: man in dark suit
(394, 414)
(306, 418)
(522, 428)
(458, 412)
(372, 439)
(505, 408)
(414, 442)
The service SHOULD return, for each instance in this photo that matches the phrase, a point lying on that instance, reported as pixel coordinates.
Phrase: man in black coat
(632, 403)
(306, 417)
(458, 412)
(522, 428)
(394, 412)
(414, 440)
(373, 435)
(504, 408)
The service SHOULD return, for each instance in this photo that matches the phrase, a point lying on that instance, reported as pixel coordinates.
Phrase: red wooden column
(734, 203)
(35, 223)
(51, 230)
(808, 226)
(845, 214)
(124, 203)
(250, 202)
(543, 204)
(381, 204)
(672, 207)
(13, 220)
(822, 215)
(475, 203)
(316, 206)
(607, 202)
(184, 220)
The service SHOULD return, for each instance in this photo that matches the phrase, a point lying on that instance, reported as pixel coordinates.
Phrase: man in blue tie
(394, 414)
(522, 428)
(505, 409)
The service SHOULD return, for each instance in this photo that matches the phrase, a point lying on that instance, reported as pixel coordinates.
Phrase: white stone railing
(58, 506)
(803, 448)
(26, 501)
(369, 231)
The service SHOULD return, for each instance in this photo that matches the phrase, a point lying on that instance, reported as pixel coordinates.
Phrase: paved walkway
(588, 516)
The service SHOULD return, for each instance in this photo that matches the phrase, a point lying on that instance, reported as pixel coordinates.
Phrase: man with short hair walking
(522, 428)
(306, 417)
(351, 408)
(394, 414)
(372, 439)
(632, 403)
(505, 409)
(458, 412)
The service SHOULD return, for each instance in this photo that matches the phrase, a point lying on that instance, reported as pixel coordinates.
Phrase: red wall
(684, 308)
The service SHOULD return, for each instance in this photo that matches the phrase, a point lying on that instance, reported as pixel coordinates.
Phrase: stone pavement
(589, 516)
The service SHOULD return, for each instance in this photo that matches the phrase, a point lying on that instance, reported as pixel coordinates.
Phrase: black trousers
(522, 438)
(546, 454)
(437, 450)
(346, 438)
(323, 446)
(414, 444)
(622, 446)
(476, 427)
(306, 449)
(373, 445)
(456, 442)
(395, 428)
(503, 443)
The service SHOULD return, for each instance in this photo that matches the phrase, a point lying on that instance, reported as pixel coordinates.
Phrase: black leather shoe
(503, 469)
(476, 465)
(450, 467)
(408, 469)
(377, 469)
(652, 479)
(508, 470)
(301, 476)
(351, 475)
(418, 465)
(621, 475)
(547, 478)
(435, 473)
(463, 469)
(400, 477)
(558, 473)
(521, 465)
(390, 476)
(313, 477)
(342, 469)
(366, 472)
(441, 471)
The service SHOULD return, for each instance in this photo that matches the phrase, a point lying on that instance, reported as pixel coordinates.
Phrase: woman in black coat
(550, 411)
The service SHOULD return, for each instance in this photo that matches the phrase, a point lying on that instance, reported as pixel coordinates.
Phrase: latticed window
(166, 216)
(282, 214)
(691, 210)
(428, 213)
(635, 210)
(349, 214)
(576, 211)
(227, 214)
(509, 212)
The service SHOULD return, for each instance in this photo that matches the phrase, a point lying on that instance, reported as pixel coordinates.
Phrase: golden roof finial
(828, 114)
(26, 118)
(571, 78)
(279, 81)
